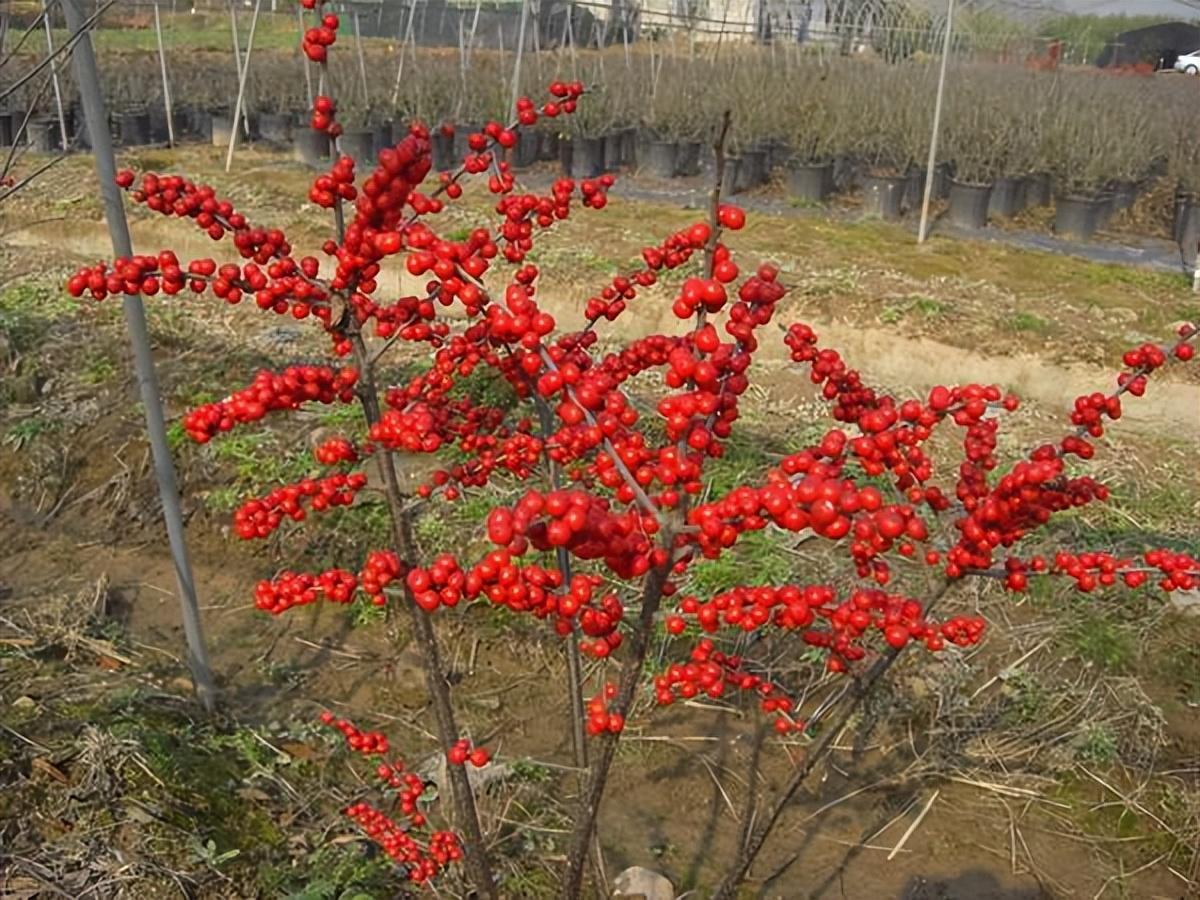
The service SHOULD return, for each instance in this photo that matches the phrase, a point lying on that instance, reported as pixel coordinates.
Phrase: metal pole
(362, 62)
(84, 62)
(516, 81)
(237, 109)
(58, 103)
(162, 62)
(931, 163)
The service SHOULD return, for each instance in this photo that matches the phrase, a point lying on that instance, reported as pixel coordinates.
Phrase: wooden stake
(237, 57)
(931, 162)
(162, 63)
(516, 77)
(362, 61)
(58, 103)
(238, 110)
(307, 62)
(408, 34)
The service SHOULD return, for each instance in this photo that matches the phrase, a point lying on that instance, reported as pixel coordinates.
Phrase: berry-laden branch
(615, 507)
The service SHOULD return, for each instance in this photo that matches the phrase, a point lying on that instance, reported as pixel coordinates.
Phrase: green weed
(756, 559)
(1102, 643)
(21, 434)
(1028, 322)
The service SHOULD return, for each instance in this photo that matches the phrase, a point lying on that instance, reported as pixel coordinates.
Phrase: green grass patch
(1103, 643)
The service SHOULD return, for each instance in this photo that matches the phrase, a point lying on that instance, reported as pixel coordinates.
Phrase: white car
(1189, 63)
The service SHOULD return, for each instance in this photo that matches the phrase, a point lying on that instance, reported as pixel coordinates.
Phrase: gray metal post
(84, 62)
(931, 163)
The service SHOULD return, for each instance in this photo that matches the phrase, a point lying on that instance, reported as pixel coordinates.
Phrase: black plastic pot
(968, 204)
(78, 129)
(882, 195)
(16, 133)
(587, 157)
(629, 144)
(1002, 203)
(44, 136)
(311, 148)
(159, 132)
(1021, 201)
(133, 128)
(566, 153)
(847, 173)
(359, 145)
(443, 150)
(6, 129)
(660, 158)
(1107, 208)
(1124, 195)
(462, 134)
(778, 154)
(810, 182)
(525, 153)
(914, 190)
(1039, 190)
(731, 181)
(384, 135)
(547, 144)
(753, 171)
(1077, 217)
(612, 151)
(1189, 235)
(1183, 202)
(942, 176)
(275, 128)
(687, 159)
(220, 128)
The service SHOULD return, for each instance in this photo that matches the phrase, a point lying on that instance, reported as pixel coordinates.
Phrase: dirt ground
(1059, 759)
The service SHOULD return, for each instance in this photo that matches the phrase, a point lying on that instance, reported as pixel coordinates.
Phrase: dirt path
(886, 354)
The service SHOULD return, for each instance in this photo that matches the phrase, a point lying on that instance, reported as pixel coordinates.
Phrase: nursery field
(1060, 757)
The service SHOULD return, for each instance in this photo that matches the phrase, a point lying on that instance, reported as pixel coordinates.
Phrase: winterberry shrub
(615, 509)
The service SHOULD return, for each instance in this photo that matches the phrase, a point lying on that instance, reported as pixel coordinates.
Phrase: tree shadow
(972, 884)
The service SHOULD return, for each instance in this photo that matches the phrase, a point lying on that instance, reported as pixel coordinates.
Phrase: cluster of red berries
(368, 743)
(260, 516)
(289, 589)
(462, 753)
(335, 185)
(600, 720)
(317, 40)
(287, 390)
(324, 116)
(381, 569)
(1093, 569)
(710, 671)
(144, 275)
(338, 450)
(579, 521)
(413, 430)
(422, 863)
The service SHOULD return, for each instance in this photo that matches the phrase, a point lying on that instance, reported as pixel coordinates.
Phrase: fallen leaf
(43, 765)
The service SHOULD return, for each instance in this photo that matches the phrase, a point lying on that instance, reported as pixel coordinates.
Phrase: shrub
(612, 515)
